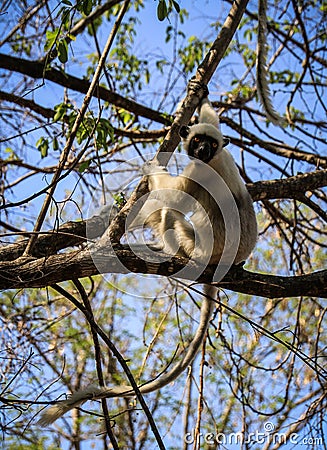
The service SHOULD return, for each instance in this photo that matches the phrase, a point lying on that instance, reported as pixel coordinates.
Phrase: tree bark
(42, 272)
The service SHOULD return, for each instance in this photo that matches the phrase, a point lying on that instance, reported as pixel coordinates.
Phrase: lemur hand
(194, 85)
(151, 167)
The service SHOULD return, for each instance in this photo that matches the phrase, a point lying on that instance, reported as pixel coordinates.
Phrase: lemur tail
(261, 68)
(92, 392)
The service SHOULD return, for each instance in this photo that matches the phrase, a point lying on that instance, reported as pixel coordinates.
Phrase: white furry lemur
(213, 184)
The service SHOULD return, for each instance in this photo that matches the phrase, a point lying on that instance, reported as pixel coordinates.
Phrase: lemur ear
(184, 131)
(226, 141)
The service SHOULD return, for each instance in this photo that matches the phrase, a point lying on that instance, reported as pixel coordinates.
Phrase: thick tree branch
(43, 272)
(49, 243)
(37, 70)
(292, 187)
(276, 148)
(219, 47)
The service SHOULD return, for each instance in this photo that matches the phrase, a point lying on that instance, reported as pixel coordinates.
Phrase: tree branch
(50, 113)
(42, 272)
(36, 69)
(292, 187)
(77, 122)
(277, 148)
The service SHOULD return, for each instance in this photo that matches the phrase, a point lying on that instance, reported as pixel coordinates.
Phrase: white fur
(208, 125)
(225, 186)
(216, 187)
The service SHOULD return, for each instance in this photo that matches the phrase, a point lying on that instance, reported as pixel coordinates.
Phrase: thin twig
(120, 359)
(197, 429)
(97, 351)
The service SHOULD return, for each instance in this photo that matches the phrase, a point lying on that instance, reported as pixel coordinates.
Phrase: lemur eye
(196, 139)
(214, 145)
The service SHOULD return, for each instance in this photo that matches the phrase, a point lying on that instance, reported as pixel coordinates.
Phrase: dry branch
(42, 272)
(37, 70)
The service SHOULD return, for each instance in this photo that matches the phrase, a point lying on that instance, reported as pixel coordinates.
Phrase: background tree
(88, 92)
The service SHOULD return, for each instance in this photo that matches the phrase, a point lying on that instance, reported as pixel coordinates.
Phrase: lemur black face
(202, 147)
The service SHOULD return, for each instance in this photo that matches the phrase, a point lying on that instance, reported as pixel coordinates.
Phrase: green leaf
(120, 199)
(43, 145)
(51, 37)
(44, 150)
(55, 144)
(63, 51)
(176, 6)
(169, 32)
(83, 166)
(87, 7)
(60, 111)
(162, 10)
